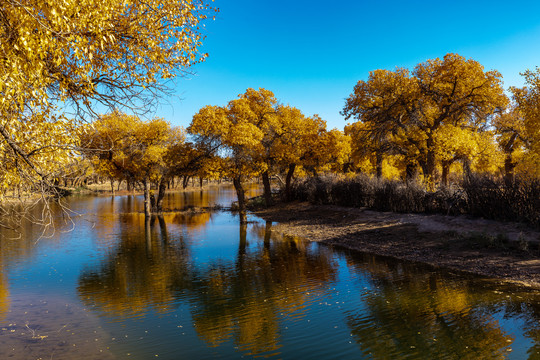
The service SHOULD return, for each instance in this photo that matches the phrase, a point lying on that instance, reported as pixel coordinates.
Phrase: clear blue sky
(312, 53)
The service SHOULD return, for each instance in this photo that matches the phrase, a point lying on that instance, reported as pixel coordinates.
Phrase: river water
(197, 285)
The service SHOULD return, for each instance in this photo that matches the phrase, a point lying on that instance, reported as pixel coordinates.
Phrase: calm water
(199, 286)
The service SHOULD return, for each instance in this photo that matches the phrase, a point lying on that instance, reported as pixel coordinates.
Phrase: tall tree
(457, 92)
(232, 131)
(511, 138)
(404, 112)
(259, 108)
(124, 147)
(384, 105)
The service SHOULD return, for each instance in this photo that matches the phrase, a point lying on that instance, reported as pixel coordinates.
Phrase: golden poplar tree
(403, 113)
(125, 147)
(527, 125)
(66, 57)
(232, 131)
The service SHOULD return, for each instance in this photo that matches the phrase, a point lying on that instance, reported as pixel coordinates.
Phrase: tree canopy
(62, 60)
(404, 112)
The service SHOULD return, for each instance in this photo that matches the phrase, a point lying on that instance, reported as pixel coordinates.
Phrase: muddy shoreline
(508, 252)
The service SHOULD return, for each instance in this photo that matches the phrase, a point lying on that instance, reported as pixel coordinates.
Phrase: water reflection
(4, 296)
(196, 282)
(408, 310)
(144, 271)
(248, 300)
(245, 300)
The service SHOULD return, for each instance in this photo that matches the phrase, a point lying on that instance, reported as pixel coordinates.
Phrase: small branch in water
(34, 336)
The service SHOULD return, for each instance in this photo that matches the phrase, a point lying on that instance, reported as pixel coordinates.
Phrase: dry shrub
(481, 196)
(491, 198)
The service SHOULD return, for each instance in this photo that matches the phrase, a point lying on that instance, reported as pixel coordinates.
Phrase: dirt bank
(507, 251)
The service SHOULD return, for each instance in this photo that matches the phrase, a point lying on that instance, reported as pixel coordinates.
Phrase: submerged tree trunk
(112, 185)
(147, 200)
(267, 188)
(240, 193)
(267, 235)
(163, 230)
(148, 234)
(242, 246)
(158, 206)
(288, 181)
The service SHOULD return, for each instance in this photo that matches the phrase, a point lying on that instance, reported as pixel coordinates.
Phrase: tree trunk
(288, 181)
(429, 165)
(445, 172)
(242, 246)
(509, 166)
(163, 230)
(378, 164)
(161, 194)
(267, 188)
(112, 185)
(148, 234)
(467, 168)
(147, 204)
(267, 234)
(185, 183)
(200, 182)
(240, 193)
(410, 170)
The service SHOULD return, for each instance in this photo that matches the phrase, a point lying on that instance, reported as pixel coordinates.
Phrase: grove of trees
(445, 112)
(443, 121)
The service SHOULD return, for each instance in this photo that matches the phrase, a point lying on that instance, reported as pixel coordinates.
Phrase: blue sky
(312, 53)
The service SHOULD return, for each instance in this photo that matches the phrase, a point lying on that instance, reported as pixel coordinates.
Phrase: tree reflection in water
(408, 311)
(244, 299)
(247, 300)
(4, 295)
(143, 272)
(268, 282)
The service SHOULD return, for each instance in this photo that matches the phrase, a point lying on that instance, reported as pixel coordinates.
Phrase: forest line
(439, 126)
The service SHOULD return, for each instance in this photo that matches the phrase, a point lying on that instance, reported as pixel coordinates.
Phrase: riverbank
(506, 251)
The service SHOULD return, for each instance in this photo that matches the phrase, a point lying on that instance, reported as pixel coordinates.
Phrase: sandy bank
(507, 251)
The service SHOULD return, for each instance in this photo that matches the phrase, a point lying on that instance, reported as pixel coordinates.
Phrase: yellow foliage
(61, 53)
(238, 131)
(123, 146)
(527, 122)
(434, 115)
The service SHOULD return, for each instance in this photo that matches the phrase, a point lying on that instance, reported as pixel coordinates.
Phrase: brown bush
(480, 196)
